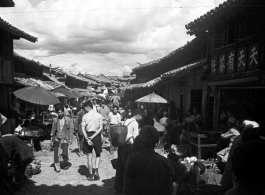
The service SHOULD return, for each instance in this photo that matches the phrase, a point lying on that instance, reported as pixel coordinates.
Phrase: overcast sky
(103, 36)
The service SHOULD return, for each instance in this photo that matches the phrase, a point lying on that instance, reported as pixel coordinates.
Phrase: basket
(114, 163)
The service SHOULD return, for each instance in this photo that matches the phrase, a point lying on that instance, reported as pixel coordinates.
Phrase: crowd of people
(141, 170)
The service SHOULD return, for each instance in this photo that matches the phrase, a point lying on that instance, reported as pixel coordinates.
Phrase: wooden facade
(7, 34)
(235, 56)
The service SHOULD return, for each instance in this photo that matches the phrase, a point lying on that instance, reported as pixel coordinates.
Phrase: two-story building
(8, 33)
(235, 53)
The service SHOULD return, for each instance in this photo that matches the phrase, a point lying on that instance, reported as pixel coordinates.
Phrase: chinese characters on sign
(213, 65)
(253, 54)
(222, 62)
(240, 60)
(231, 61)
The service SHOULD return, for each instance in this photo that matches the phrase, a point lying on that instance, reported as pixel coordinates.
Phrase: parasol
(59, 94)
(75, 93)
(65, 92)
(152, 98)
(36, 95)
(85, 93)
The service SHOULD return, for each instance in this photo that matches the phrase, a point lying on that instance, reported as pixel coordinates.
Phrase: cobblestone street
(71, 181)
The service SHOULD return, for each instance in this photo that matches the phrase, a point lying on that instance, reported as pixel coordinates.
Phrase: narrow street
(71, 181)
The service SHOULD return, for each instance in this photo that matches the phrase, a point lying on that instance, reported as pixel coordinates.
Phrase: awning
(150, 83)
(33, 82)
(184, 69)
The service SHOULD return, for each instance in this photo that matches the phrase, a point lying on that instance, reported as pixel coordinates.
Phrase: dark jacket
(66, 133)
(148, 173)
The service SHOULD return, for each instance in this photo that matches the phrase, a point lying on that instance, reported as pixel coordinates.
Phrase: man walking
(126, 150)
(104, 111)
(91, 128)
(78, 129)
(62, 136)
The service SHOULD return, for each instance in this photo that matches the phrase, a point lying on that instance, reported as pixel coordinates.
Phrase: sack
(118, 134)
(33, 168)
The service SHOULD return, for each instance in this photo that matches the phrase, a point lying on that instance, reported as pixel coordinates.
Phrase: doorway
(196, 98)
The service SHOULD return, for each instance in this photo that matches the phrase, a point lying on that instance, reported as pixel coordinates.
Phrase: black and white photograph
(132, 97)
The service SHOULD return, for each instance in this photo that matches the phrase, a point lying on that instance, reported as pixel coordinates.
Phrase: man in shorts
(91, 128)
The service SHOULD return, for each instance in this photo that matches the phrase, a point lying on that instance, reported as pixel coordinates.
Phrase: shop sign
(222, 63)
(253, 56)
(214, 65)
(231, 61)
(241, 59)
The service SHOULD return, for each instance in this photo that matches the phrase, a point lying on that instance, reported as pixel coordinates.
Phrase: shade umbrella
(76, 94)
(57, 94)
(85, 93)
(152, 98)
(36, 95)
(65, 92)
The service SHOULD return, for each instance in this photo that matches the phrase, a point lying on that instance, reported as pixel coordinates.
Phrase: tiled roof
(75, 77)
(15, 31)
(157, 61)
(54, 80)
(104, 78)
(147, 84)
(34, 82)
(174, 72)
(90, 81)
(91, 77)
(213, 14)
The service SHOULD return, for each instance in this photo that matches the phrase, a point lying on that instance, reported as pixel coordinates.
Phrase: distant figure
(147, 172)
(231, 134)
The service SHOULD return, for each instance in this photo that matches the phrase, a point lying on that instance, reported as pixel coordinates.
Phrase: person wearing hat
(147, 172)
(250, 130)
(189, 181)
(231, 134)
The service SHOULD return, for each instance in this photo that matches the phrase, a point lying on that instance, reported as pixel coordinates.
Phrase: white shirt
(133, 130)
(163, 120)
(115, 118)
(91, 121)
(159, 127)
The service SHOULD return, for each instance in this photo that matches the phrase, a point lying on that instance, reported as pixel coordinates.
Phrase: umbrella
(76, 94)
(85, 93)
(65, 92)
(59, 94)
(152, 98)
(36, 95)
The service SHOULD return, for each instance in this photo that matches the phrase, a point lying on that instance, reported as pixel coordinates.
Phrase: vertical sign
(241, 59)
(253, 56)
(214, 65)
(231, 61)
(222, 63)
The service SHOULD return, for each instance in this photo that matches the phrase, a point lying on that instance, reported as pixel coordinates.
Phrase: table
(198, 144)
(30, 134)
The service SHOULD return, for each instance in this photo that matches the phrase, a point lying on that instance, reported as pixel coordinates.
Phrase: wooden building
(235, 34)
(7, 34)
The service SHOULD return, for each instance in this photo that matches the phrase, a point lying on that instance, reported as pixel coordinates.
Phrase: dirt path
(71, 181)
